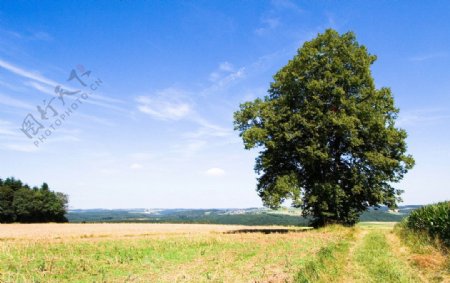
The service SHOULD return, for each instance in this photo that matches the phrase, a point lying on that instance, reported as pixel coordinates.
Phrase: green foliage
(327, 136)
(433, 220)
(20, 203)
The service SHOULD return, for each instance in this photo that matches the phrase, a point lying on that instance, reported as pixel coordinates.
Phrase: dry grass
(209, 253)
(155, 252)
(116, 230)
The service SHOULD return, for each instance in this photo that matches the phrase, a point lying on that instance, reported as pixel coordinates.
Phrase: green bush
(433, 220)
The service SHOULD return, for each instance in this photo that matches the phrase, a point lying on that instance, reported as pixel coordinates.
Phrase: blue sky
(158, 132)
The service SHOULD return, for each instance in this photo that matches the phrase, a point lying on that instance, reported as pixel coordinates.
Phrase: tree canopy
(20, 203)
(327, 136)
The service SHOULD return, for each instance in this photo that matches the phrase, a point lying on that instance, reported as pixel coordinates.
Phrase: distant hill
(247, 216)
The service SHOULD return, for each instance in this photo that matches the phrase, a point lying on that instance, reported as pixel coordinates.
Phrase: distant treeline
(186, 217)
(216, 216)
(21, 203)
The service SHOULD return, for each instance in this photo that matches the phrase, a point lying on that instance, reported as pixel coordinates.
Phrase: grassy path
(367, 254)
(377, 262)
(329, 263)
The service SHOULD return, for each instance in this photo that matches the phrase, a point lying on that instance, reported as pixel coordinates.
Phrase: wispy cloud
(226, 67)
(10, 101)
(224, 72)
(187, 148)
(215, 172)
(208, 129)
(136, 166)
(95, 119)
(429, 56)
(40, 35)
(268, 24)
(27, 36)
(23, 147)
(174, 104)
(423, 117)
(142, 156)
(286, 5)
(271, 20)
(47, 86)
(168, 104)
(46, 89)
(95, 99)
(222, 77)
(6, 129)
(12, 87)
(27, 74)
(11, 140)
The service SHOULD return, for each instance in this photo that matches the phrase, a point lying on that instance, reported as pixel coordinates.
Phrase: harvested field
(61, 231)
(204, 253)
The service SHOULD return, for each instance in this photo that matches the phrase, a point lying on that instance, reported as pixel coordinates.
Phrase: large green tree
(326, 134)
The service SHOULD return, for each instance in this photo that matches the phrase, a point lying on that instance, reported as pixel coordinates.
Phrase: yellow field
(206, 253)
(64, 231)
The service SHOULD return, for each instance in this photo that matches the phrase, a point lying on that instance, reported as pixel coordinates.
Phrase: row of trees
(21, 203)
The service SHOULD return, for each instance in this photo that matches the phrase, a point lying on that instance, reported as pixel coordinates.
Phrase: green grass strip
(328, 263)
(378, 263)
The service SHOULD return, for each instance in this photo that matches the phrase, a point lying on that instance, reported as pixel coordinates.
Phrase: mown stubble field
(206, 253)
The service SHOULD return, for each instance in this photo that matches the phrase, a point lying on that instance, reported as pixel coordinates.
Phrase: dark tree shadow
(267, 231)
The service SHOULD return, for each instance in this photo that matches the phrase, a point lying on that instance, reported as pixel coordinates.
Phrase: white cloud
(226, 67)
(95, 119)
(194, 145)
(13, 140)
(169, 104)
(12, 87)
(94, 99)
(188, 148)
(142, 156)
(208, 129)
(232, 76)
(47, 86)
(286, 5)
(40, 35)
(34, 35)
(136, 166)
(165, 110)
(215, 172)
(7, 129)
(222, 71)
(422, 117)
(9, 101)
(223, 75)
(429, 56)
(47, 89)
(214, 76)
(268, 24)
(221, 79)
(27, 74)
(20, 147)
